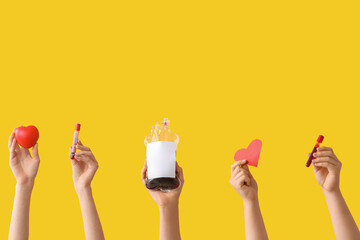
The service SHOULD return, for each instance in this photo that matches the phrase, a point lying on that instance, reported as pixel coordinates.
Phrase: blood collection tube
(76, 136)
(311, 157)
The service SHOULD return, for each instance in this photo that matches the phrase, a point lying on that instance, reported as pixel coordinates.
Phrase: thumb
(245, 166)
(35, 151)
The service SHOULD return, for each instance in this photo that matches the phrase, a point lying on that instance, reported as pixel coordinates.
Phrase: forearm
(19, 225)
(169, 222)
(254, 224)
(92, 224)
(344, 225)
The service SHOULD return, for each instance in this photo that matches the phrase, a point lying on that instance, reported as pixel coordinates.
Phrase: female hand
(84, 167)
(23, 166)
(327, 169)
(164, 199)
(243, 182)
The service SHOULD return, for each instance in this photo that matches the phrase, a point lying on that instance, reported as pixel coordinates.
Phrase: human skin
(244, 183)
(84, 167)
(25, 168)
(327, 169)
(168, 203)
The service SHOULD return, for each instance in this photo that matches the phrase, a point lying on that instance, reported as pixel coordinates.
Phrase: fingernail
(315, 154)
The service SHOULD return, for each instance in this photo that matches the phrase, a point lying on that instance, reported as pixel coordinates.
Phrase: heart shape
(26, 136)
(250, 154)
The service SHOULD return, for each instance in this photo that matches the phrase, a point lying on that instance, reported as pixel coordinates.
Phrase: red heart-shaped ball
(26, 136)
(250, 154)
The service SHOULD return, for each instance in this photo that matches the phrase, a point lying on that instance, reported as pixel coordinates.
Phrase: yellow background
(223, 72)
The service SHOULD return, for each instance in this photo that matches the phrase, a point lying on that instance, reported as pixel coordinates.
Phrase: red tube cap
(77, 127)
(320, 139)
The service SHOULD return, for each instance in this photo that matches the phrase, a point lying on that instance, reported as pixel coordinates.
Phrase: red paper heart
(26, 136)
(250, 154)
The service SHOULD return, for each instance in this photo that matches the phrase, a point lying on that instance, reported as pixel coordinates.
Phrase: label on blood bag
(160, 159)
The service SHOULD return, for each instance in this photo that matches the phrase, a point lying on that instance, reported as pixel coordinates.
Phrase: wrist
(24, 188)
(251, 202)
(83, 190)
(169, 206)
(334, 192)
(25, 185)
(169, 211)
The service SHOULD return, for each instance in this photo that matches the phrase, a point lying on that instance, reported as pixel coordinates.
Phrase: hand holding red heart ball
(26, 136)
(24, 165)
